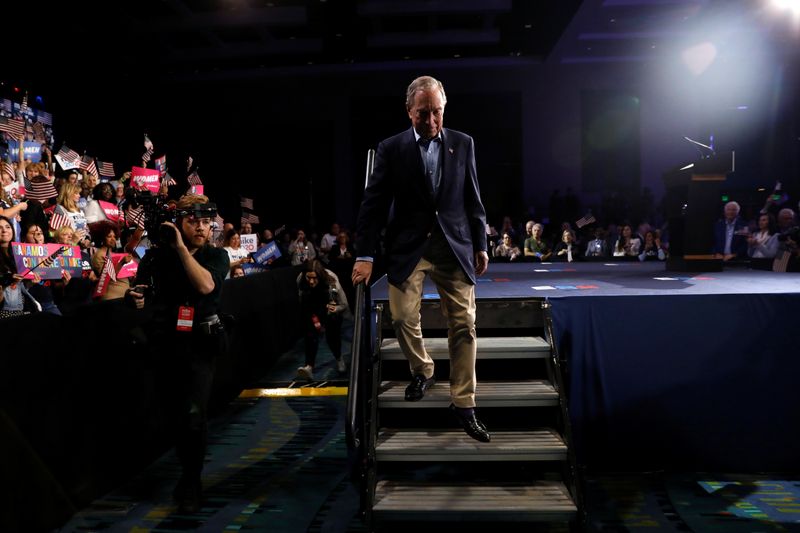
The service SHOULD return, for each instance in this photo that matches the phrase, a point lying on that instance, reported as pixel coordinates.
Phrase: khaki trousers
(457, 295)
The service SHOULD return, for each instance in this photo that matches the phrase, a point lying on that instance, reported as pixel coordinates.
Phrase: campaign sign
(33, 150)
(128, 270)
(47, 260)
(196, 189)
(146, 179)
(250, 268)
(15, 190)
(111, 210)
(67, 165)
(249, 242)
(267, 254)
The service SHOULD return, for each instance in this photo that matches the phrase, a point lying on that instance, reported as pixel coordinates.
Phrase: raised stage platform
(669, 370)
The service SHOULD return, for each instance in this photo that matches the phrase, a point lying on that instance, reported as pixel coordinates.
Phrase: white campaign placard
(250, 242)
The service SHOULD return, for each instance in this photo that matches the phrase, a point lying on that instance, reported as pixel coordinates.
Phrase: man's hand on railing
(362, 271)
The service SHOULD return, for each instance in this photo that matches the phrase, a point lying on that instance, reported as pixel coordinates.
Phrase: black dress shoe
(418, 387)
(472, 426)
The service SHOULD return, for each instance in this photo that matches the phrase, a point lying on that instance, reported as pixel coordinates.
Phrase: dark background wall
(296, 141)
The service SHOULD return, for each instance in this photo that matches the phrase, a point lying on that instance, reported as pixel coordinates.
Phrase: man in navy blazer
(424, 189)
(730, 242)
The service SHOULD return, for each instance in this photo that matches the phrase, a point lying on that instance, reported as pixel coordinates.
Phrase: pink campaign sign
(111, 210)
(128, 270)
(146, 179)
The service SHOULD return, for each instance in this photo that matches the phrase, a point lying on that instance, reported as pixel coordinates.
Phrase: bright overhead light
(699, 57)
(793, 5)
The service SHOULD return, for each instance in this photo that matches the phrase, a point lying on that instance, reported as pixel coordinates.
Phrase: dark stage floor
(557, 280)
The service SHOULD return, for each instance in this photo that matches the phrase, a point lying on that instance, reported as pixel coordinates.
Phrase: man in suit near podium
(730, 241)
(425, 180)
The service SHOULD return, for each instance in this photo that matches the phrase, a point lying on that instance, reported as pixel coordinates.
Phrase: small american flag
(167, 180)
(585, 220)
(247, 203)
(87, 164)
(107, 275)
(194, 178)
(250, 217)
(161, 163)
(781, 262)
(12, 126)
(58, 221)
(44, 117)
(8, 168)
(135, 216)
(24, 108)
(106, 168)
(38, 131)
(68, 154)
(41, 191)
(148, 143)
(147, 154)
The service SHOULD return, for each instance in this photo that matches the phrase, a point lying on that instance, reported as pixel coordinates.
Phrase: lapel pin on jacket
(451, 150)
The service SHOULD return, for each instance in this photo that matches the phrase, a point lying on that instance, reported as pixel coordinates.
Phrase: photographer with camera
(181, 279)
(322, 304)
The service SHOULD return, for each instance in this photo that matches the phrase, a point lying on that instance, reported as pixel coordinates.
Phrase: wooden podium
(692, 204)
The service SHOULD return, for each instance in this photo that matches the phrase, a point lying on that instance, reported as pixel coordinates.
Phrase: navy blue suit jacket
(399, 196)
(738, 242)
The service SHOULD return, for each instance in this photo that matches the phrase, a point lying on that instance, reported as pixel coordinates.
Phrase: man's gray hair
(738, 207)
(423, 83)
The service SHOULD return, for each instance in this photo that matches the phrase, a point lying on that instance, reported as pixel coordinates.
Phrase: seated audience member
(301, 249)
(507, 249)
(329, 240)
(535, 246)
(105, 236)
(232, 243)
(342, 250)
(627, 245)
(322, 305)
(764, 241)
(14, 296)
(652, 250)
(508, 227)
(786, 220)
(597, 246)
(566, 249)
(236, 272)
(43, 290)
(730, 240)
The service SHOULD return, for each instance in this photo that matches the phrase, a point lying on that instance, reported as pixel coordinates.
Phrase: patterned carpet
(279, 464)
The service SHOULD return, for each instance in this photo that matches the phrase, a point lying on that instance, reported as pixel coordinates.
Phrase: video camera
(157, 210)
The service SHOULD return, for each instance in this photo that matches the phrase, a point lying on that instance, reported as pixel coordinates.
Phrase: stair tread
(498, 499)
(489, 394)
(488, 348)
(455, 445)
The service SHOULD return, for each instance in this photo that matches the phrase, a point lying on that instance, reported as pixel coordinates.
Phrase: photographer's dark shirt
(162, 269)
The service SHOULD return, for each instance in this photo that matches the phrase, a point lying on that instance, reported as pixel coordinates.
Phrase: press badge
(185, 318)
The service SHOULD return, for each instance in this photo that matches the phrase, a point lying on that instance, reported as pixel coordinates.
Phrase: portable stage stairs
(416, 466)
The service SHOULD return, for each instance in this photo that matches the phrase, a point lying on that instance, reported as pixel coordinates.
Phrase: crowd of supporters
(766, 234)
